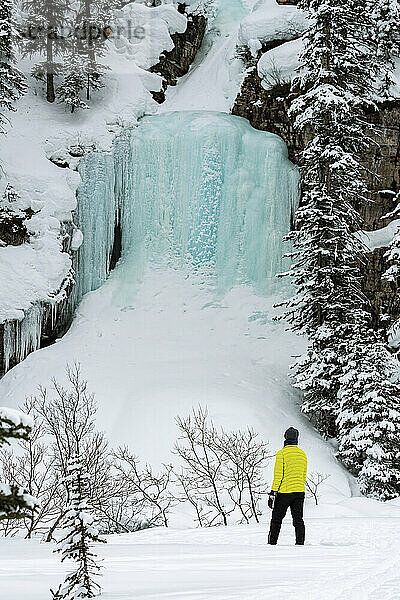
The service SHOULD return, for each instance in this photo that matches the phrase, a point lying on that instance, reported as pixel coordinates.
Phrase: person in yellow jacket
(288, 487)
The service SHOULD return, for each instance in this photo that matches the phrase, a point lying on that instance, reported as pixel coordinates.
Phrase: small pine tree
(74, 81)
(79, 534)
(369, 419)
(14, 502)
(12, 218)
(12, 81)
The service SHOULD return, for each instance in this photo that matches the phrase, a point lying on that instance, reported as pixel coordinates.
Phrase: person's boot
(300, 532)
(274, 532)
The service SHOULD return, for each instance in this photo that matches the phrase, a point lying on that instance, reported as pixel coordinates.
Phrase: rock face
(13, 231)
(268, 111)
(177, 62)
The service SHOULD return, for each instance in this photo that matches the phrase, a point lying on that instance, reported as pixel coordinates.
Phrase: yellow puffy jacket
(290, 470)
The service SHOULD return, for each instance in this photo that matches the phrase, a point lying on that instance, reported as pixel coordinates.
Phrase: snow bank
(16, 417)
(380, 238)
(280, 64)
(149, 31)
(270, 21)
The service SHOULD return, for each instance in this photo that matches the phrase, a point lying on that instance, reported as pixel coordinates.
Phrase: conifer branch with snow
(15, 502)
(12, 81)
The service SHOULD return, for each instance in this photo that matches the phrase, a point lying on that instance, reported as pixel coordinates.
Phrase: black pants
(296, 502)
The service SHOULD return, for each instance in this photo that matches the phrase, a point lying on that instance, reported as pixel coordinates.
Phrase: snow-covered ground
(351, 553)
(152, 354)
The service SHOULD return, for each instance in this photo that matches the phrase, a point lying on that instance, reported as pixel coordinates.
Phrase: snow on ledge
(271, 21)
(279, 65)
(157, 25)
(380, 238)
(16, 417)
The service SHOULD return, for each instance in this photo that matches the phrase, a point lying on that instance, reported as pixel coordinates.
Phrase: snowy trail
(228, 564)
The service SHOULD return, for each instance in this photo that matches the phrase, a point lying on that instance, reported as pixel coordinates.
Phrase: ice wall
(199, 191)
(207, 193)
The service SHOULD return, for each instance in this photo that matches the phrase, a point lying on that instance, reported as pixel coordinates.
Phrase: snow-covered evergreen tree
(79, 535)
(46, 18)
(393, 258)
(15, 503)
(94, 18)
(73, 82)
(369, 418)
(384, 27)
(12, 81)
(333, 87)
(317, 375)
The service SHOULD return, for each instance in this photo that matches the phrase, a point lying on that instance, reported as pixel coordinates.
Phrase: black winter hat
(291, 435)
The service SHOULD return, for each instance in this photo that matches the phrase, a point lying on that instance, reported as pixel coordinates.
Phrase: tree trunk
(50, 93)
(91, 53)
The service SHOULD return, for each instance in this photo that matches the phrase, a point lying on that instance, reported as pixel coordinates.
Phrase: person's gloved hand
(271, 499)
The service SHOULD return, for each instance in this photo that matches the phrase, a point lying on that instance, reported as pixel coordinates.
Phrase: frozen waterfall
(203, 192)
(199, 191)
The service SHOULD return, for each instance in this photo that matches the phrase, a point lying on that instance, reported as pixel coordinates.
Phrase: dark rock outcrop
(13, 218)
(268, 111)
(177, 62)
(13, 231)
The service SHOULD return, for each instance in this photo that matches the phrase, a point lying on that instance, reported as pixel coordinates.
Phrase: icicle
(9, 343)
(96, 217)
(30, 332)
(22, 337)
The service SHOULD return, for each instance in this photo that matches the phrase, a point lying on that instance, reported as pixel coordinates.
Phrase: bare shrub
(245, 460)
(148, 492)
(222, 473)
(203, 463)
(313, 484)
